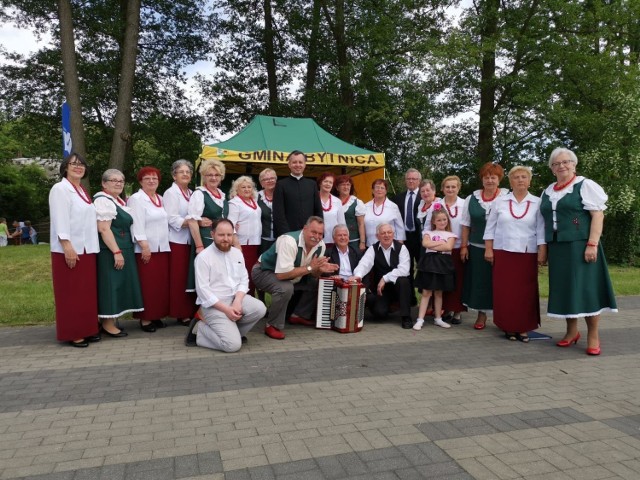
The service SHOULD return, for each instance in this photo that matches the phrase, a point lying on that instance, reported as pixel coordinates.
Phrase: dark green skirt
(118, 290)
(477, 290)
(577, 288)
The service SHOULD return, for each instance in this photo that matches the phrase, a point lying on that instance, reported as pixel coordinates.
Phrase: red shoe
(567, 343)
(296, 320)
(593, 350)
(273, 332)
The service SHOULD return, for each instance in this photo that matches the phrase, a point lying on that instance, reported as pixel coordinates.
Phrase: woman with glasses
(267, 179)
(118, 284)
(151, 233)
(381, 210)
(353, 209)
(182, 303)
(74, 248)
(579, 284)
(207, 203)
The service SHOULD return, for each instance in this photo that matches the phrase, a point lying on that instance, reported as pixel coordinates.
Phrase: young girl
(435, 270)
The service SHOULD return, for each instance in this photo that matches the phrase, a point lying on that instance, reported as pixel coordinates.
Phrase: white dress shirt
(593, 196)
(409, 211)
(332, 217)
(246, 220)
(346, 270)
(366, 263)
(150, 222)
(389, 213)
(72, 219)
(219, 275)
(196, 202)
(512, 234)
(177, 206)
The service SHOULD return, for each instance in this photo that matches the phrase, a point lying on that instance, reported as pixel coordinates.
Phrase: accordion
(340, 305)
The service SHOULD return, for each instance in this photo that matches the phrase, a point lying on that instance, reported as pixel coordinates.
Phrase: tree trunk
(70, 73)
(122, 125)
(270, 59)
(488, 39)
(312, 60)
(347, 95)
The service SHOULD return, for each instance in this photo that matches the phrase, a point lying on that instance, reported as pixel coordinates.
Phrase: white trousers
(220, 333)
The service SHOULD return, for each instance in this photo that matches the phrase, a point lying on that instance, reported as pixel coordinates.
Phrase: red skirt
(516, 303)
(250, 254)
(154, 283)
(75, 291)
(182, 304)
(452, 301)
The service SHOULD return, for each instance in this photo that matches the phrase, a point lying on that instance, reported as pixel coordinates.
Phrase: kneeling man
(222, 283)
(388, 260)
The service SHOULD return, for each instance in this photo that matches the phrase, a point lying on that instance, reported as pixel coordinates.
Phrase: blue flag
(67, 144)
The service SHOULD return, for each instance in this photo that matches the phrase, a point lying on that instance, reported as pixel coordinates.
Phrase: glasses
(77, 164)
(269, 179)
(563, 163)
(117, 182)
(149, 179)
(183, 172)
(213, 175)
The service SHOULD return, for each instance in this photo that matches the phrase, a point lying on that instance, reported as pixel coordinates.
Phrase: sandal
(481, 321)
(523, 337)
(511, 336)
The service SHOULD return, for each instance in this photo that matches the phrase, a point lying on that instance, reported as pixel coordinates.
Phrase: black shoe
(147, 328)
(120, 334)
(190, 338)
(93, 338)
(80, 344)
(244, 340)
(407, 323)
(158, 324)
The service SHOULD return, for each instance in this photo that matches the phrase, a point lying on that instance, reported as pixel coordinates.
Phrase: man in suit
(408, 202)
(388, 262)
(295, 198)
(342, 253)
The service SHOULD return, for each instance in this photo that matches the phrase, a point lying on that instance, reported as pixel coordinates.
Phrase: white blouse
(333, 215)
(389, 213)
(246, 221)
(515, 226)
(465, 221)
(176, 206)
(72, 219)
(360, 208)
(593, 196)
(455, 217)
(150, 222)
(196, 202)
(106, 209)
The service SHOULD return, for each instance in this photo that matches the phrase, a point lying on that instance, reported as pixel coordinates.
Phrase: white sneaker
(418, 324)
(440, 323)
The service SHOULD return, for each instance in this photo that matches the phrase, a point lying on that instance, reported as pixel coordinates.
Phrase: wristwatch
(309, 268)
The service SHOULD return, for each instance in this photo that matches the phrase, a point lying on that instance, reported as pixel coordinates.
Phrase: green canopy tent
(266, 142)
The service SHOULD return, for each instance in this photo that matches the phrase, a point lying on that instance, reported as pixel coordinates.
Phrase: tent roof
(268, 140)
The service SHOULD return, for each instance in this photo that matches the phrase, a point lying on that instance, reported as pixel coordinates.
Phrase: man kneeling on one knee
(294, 262)
(222, 283)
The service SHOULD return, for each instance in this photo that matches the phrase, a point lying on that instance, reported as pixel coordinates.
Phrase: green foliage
(25, 192)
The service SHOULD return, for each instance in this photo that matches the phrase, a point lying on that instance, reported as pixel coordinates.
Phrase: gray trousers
(281, 292)
(220, 333)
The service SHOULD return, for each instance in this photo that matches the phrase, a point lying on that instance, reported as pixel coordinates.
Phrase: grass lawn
(27, 294)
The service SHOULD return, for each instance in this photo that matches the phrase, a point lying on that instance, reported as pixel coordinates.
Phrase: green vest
(478, 221)
(573, 222)
(211, 211)
(120, 227)
(352, 222)
(268, 258)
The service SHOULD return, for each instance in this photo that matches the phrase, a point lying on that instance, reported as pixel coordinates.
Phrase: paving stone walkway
(385, 403)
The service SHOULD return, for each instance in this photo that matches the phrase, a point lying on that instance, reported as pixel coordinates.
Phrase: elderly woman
(245, 216)
(452, 301)
(353, 209)
(206, 204)
(477, 292)
(579, 284)
(267, 179)
(151, 232)
(74, 248)
(118, 284)
(427, 199)
(331, 206)
(381, 210)
(182, 303)
(515, 245)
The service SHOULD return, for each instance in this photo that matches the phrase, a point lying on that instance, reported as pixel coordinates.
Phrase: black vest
(380, 265)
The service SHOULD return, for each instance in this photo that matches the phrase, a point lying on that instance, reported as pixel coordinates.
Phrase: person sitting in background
(222, 284)
(388, 260)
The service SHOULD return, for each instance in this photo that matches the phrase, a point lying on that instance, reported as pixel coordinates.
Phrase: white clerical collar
(297, 177)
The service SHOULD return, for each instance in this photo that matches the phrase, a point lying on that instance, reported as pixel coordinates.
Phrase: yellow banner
(272, 156)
